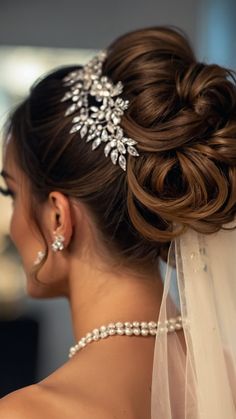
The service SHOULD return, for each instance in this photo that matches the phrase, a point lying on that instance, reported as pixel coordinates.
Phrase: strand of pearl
(128, 329)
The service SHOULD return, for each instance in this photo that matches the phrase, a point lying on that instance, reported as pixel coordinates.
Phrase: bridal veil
(194, 369)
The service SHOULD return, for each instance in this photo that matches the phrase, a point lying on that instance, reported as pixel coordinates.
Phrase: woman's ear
(60, 216)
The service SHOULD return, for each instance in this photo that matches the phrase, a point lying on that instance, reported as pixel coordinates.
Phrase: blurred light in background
(217, 32)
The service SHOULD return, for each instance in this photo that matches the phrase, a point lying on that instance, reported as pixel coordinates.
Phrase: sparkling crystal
(96, 143)
(113, 142)
(132, 151)
(67, 96)
(71, 109)
(76, 119)
(104, 135)
(129, 141)
(110, 128)
(94, 108)
(90, 137)
(114, 156)
(75, 128)
(121, 148)
(101, 115)
(122, 162)
(115, 119)
(83, 131)
(107, 149)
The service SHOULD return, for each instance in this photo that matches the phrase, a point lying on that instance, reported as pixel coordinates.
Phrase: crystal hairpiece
(101, 122)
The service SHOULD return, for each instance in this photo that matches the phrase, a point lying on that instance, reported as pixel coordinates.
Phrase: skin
(98, 292)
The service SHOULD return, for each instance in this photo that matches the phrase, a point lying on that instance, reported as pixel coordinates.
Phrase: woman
(114, 167)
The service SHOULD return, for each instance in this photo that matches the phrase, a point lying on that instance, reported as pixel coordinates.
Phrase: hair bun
(208, 90)
(183, 115)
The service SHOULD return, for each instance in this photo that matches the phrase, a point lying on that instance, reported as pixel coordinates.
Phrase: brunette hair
(182, 113)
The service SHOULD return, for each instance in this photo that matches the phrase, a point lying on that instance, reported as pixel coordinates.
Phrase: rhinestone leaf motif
(100, 123)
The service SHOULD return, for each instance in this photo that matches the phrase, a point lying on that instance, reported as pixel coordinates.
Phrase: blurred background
(35, 37)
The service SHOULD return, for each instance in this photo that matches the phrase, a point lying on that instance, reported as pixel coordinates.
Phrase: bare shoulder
(38, 401)
(21, 403)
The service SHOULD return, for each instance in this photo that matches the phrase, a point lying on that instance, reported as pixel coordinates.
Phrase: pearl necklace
(128, 329)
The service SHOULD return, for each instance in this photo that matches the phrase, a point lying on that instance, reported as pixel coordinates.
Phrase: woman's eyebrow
(6, 175)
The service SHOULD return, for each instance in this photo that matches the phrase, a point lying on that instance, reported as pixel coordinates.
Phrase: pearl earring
(58, 243)
(40, 256)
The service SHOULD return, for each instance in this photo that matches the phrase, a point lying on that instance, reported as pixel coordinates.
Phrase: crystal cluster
(101, 123)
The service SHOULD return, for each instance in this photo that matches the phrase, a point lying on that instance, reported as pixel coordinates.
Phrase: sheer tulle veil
(194, 369)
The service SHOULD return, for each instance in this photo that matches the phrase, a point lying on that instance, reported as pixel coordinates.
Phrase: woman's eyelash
(6, 192)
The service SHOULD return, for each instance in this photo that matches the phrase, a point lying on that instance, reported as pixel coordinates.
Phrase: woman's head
(182, 114)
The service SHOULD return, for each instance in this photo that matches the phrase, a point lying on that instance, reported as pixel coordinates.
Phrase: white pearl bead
(144, 332)
(171, 327)
(136, 331)
(152, 324)
(111, 326)
(128, 324)
(103, 328)
(96, 337)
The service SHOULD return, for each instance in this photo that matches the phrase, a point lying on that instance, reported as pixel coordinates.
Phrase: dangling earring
(58, 243)
(40, 256)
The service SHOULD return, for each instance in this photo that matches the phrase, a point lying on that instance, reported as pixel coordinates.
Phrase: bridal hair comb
(99, 123)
